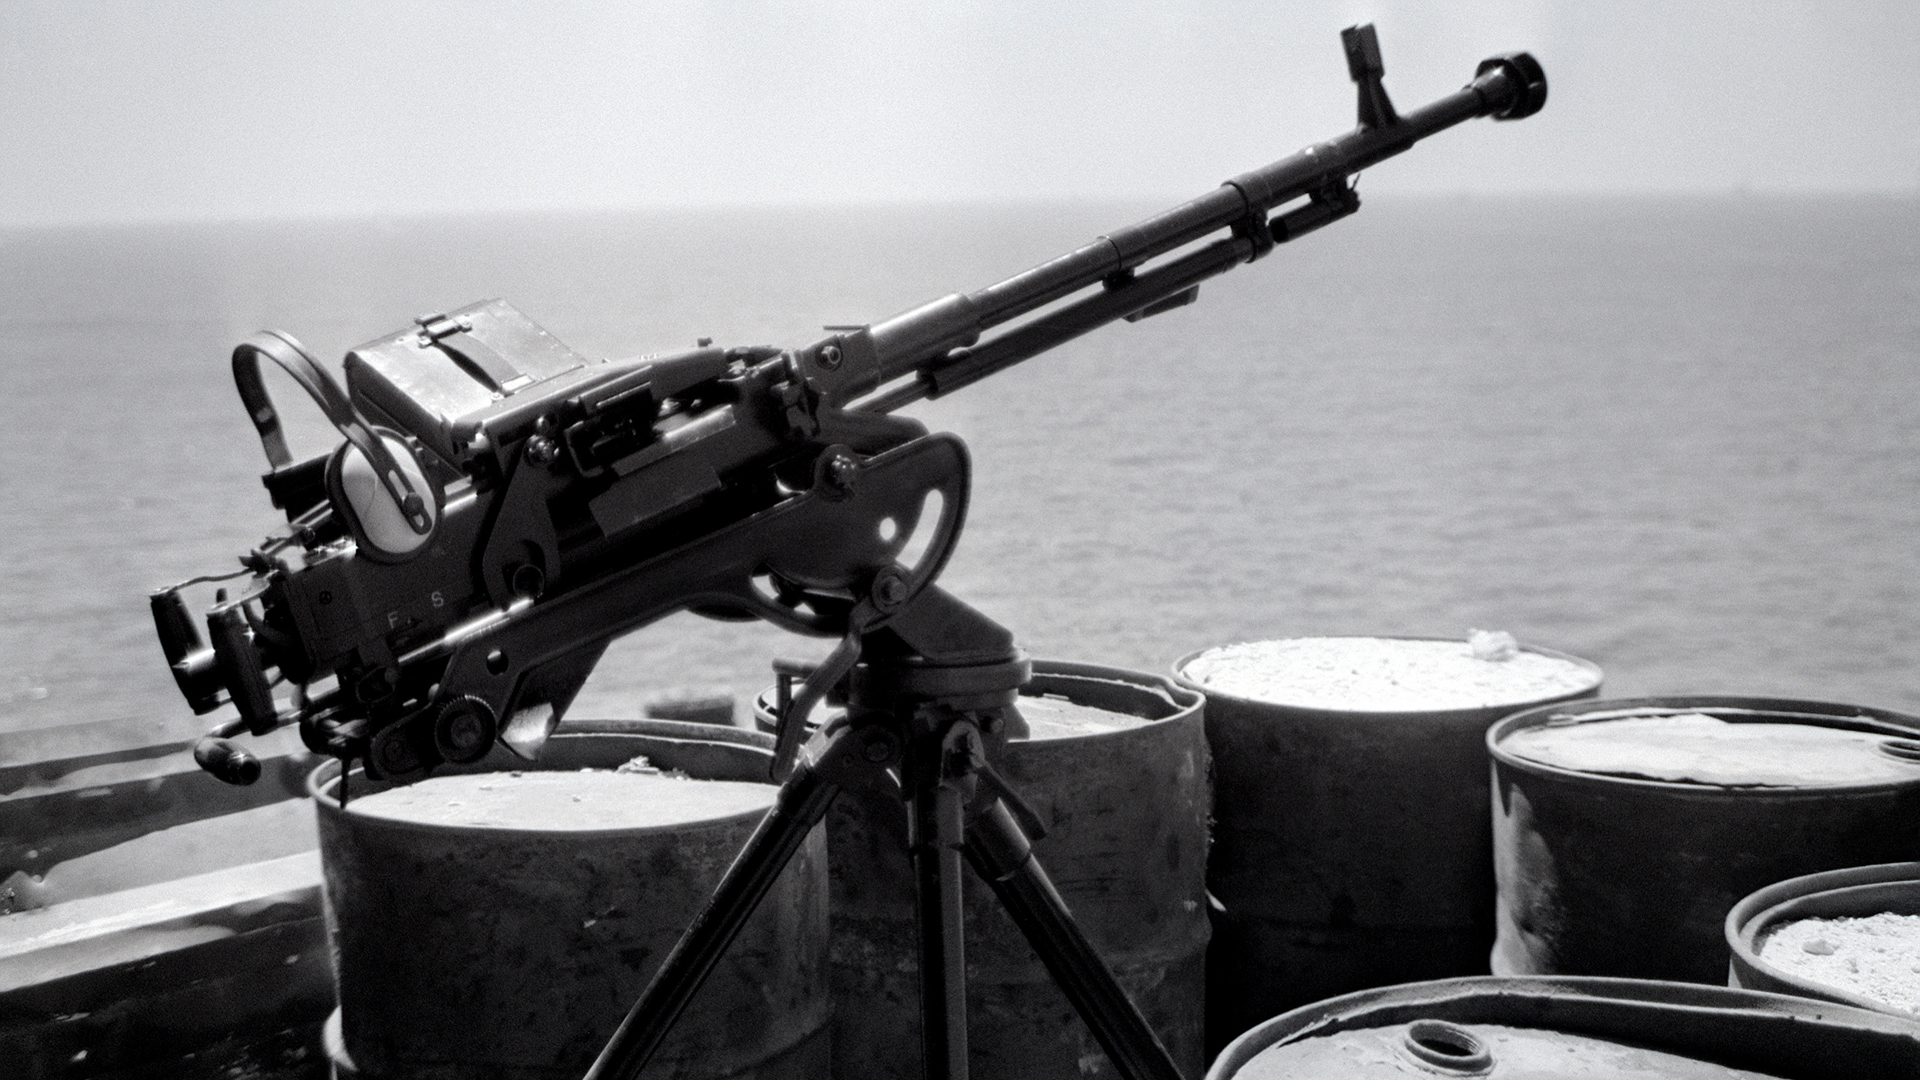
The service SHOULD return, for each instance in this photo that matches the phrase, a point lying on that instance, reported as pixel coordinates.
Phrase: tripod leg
(936, 831)
(802, 802)
(1000, 853)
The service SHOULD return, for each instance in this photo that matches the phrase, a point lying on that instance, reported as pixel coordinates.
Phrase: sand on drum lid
(563, 801)
(1388, 674)
(1054, 717)
(1874, 956)
(1694, 748)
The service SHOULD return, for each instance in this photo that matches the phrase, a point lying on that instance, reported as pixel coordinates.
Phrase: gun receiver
(500, 509)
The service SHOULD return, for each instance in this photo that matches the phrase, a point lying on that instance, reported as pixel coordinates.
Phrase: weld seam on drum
(1126, 813)
(1852, 892)
(1352, 848)
(1634, 877)
(1714, 1027)
(466, 952)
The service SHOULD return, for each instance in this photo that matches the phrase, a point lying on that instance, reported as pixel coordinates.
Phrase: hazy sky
(219, 108)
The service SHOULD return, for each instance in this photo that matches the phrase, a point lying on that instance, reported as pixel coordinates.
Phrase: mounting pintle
(1363, 63)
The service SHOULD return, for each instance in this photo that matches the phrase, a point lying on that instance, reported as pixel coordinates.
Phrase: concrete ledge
(165, 971)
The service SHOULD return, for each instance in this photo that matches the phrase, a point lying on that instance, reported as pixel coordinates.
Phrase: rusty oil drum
(1544, 1028)
(471, 953)
(1855, 892)
(1625, 875)
(1125, 809)
(1352, 848)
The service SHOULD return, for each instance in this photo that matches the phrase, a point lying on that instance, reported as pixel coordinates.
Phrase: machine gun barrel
(936, 342)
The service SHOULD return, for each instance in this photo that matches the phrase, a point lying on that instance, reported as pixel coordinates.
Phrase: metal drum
(1555, 1028)
(1626, 830)
(1352, 845)
(1851, 936)
(509, 944)
(1116, 768)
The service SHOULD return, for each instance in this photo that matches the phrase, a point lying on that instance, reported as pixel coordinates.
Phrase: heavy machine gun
(500, 509)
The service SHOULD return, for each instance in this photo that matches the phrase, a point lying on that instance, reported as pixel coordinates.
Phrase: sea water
(1678, 437)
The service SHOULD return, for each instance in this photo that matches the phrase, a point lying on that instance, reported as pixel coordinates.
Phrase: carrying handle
(282, 349)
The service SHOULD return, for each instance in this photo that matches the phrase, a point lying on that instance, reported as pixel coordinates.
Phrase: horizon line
(585, 209)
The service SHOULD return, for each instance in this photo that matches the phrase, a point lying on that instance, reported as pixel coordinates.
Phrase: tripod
(929, 694)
